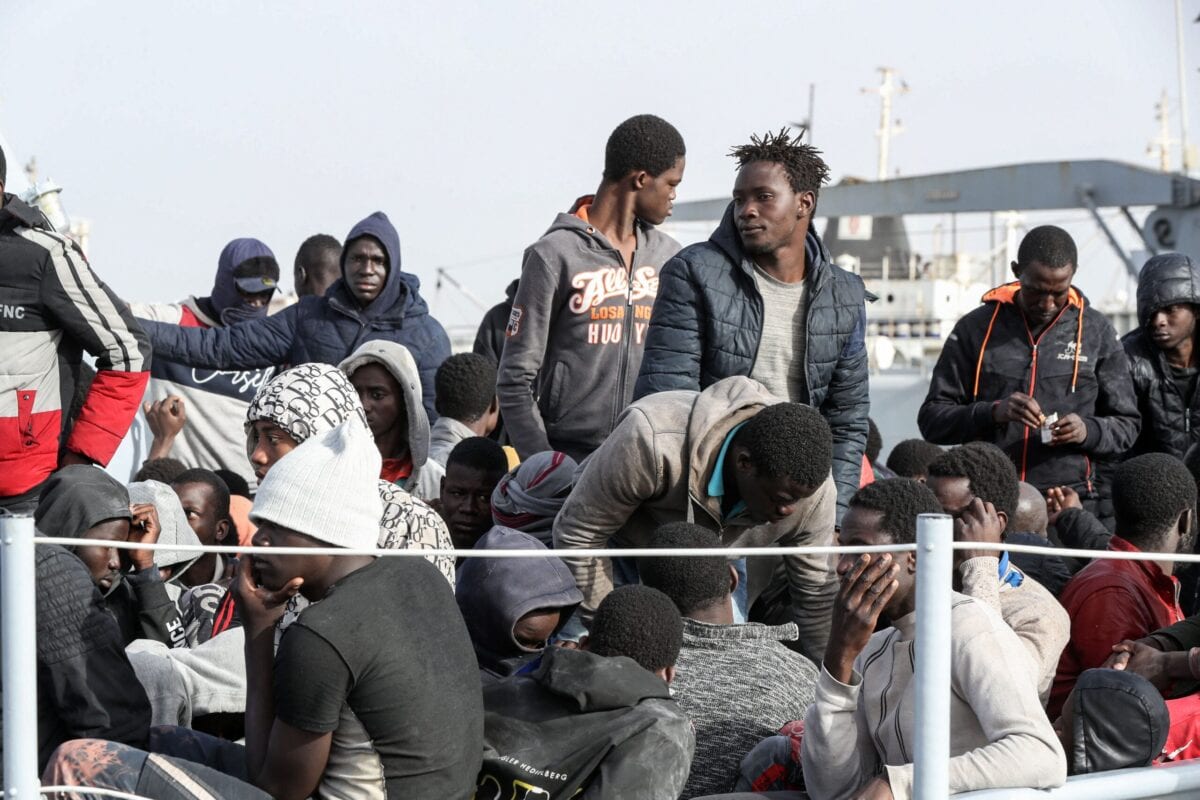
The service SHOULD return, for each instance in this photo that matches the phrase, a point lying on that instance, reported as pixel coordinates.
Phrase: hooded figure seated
(513, 606)
(85, 502)
(1112, 720)
(529, 497)
(599, 721)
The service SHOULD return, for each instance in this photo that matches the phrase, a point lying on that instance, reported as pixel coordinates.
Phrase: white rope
(632, 552)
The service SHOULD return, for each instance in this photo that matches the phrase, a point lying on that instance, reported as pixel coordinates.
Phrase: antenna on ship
(887, 127)
(1161, 146)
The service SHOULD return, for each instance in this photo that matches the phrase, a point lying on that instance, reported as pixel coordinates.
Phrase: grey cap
(172, 518)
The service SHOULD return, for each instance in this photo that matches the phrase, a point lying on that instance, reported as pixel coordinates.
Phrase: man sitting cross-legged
(859, 734)
(350, 706)
(737, 683)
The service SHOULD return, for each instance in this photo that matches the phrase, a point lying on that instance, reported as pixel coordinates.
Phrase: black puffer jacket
(708, 320)
(1168, 425)
(86, 687)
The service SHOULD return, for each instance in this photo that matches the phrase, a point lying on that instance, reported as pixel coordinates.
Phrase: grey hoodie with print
(576, 334)
(426, 477)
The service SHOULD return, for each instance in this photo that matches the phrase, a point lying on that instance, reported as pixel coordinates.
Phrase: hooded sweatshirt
(489, 339)
(1118, 720)
(1075, 366)
(494, 593)
(576, 334)
(215, 400)
(655, 468)
(529, 497)
(424, 476)
(77, 498)
(1170, 423)
(605, 727)
(323, 329)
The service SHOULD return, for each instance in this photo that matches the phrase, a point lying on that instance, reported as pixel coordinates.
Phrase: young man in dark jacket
(373, 300)
(761, 298)
(598, 722)
(1163, 358)
(85, 684)
(1037, 371)
(53, 308)
(578, 321)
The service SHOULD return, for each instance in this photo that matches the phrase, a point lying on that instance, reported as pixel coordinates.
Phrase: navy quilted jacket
(707, 323)
(322, 329)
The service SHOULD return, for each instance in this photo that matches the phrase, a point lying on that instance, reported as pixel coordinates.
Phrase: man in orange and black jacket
(1035, 349)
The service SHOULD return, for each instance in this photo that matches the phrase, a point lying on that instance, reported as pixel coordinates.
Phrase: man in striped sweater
(52, 309)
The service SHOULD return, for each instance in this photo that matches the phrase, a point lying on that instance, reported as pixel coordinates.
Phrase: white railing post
(935, 564)
(18, 638)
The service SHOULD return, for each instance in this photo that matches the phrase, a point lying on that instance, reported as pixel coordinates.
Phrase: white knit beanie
(327, 488)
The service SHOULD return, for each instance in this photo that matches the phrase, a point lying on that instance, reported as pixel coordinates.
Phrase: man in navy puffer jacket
(372, 300)
(762, 298)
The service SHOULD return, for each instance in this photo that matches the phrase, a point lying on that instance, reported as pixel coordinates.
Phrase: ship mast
(888, 128)
(1161, 146)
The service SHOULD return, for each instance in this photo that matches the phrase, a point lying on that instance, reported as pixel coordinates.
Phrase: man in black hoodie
(761, 298)
(578, 321)
(599, 720)
(1163, 358)
(373, 299)
(1037, 371)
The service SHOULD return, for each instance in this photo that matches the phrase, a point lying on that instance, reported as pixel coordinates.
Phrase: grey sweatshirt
(655, 468)
(999, 734)
(576, 334)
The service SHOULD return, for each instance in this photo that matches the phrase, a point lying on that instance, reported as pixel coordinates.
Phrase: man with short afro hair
(599, 719)
(733, 459)
(910, 458)
(578, 322)
(762, 298)
(977, 485)
(1154, 497)
(466, 403)
(738, 683)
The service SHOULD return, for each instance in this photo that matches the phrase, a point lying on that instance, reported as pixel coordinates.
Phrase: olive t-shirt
(384, 661)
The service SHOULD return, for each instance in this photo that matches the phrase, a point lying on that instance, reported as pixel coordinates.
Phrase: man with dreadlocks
(762, 298)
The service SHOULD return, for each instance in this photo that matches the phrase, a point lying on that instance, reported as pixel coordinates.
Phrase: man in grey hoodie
(578, 322)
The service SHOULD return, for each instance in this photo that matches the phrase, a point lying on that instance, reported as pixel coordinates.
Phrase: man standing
(213, 402)
(761, 298)
(578, 322)
(372, 300)
(52, 307)
(1163, 358)
(1038, 372)
(732, 459)
(316, 267)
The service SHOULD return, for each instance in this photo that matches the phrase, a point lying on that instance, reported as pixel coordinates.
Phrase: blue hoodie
(494, 593)
(322, 329)
(225, 296)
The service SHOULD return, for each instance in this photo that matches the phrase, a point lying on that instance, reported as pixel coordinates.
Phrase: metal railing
(935, 547)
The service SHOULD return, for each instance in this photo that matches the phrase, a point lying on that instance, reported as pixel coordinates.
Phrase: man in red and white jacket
(52, 308)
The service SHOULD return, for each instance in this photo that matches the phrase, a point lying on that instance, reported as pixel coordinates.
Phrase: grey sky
(178, 126)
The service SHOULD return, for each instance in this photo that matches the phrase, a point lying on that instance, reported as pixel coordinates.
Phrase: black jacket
(1078, 367)
(584, 725)
(1169, 425)
(707, 323)
(489, 339)
(85, 684)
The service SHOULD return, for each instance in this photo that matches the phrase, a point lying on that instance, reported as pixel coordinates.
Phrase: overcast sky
(177, 126)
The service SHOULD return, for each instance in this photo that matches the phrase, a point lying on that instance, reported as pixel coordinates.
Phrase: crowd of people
(628, 393)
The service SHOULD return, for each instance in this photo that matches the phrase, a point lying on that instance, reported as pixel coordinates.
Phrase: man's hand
(978, 522)
(875, 789)
(1020, 408)
(143, 529)
(260, 607)
(1139, 657)
(166, 419)
(1058, 500)
(866, 588)
(1068, 430)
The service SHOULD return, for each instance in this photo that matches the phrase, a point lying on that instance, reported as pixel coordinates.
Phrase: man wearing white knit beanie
(374, 691)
